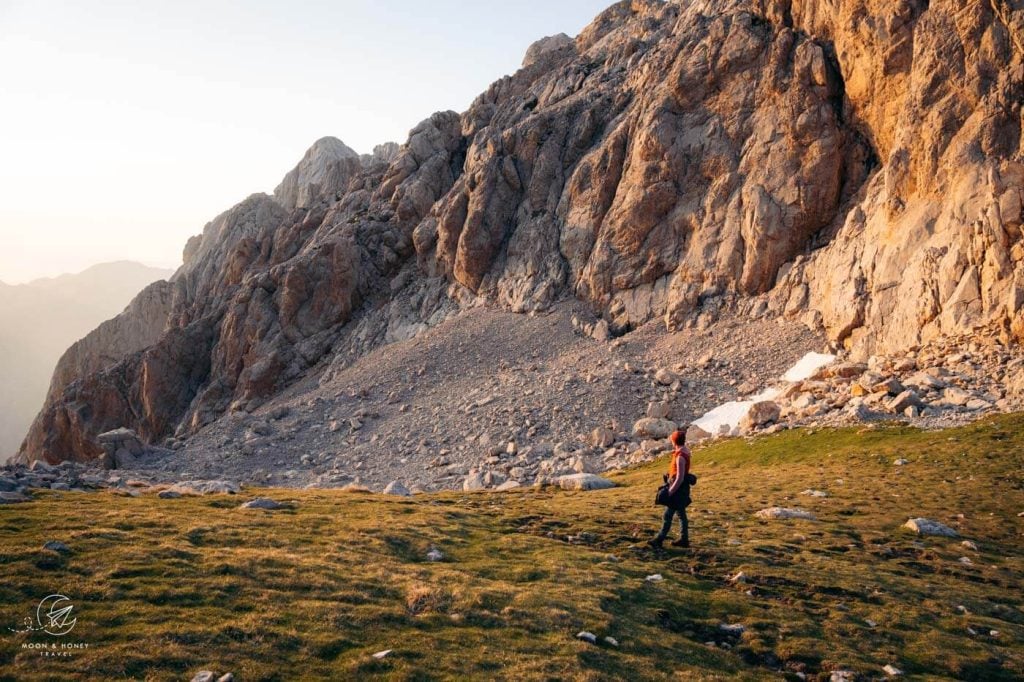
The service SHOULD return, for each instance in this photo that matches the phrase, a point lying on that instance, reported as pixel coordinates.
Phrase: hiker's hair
(678, 437)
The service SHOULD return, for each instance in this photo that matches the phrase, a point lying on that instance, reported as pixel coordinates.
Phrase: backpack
(663, 499)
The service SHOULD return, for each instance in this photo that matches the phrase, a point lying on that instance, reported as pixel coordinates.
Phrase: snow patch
(729, 414)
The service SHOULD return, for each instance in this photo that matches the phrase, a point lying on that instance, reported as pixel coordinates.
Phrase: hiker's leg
(666, 527)
(684, 522)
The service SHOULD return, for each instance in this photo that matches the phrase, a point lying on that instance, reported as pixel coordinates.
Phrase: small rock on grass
(923, 526)
(589, 637)
(204, 676)
(892, 671)
(814, 493)
(13, 498)
(781, 513)
(970, 545)
(383, 654)
(57, 546)
(169, 495)
(584, 482)
(435, 555)
(656, 578)
(226, 677)
(732, 628)
(611, 641)
(263, 503)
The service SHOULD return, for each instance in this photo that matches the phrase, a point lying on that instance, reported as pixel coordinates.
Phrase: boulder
(653, 428)
(760, 414)
(602, 437)
(904, 400)
(396, 488)
(583, 482)
(782, 513)
(923, 526)
(695, 434)
(508, 485)
(474, 481)
(657, 410)
(666, 377)
(13, 497)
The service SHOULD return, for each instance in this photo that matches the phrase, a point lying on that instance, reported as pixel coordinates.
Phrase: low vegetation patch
(164, 588)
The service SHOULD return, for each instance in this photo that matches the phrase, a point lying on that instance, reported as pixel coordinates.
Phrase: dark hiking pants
(684, 524)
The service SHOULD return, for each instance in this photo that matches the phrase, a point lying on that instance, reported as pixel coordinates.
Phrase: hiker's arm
(676, 482)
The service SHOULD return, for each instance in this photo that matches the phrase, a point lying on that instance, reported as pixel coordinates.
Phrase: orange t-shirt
(673, 469)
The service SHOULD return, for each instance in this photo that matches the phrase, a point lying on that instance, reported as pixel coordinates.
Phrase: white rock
(473, 482)
(508, 485)
(583, 482)
(779, 513)
(732, 629)
(262, 503)
(396, 488)
(814, 493)
(587, 637)
(653, 428)
(657, 577)
(923, 526)
(970, 545)
(204, 676)
(611, 641)
(435, 555)
(892, 671)
(383, 654)
(900, 462)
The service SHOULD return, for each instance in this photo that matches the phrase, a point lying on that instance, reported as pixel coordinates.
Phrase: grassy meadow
(165, 588)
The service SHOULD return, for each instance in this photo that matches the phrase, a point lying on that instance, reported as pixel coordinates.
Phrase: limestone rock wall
(854, 162)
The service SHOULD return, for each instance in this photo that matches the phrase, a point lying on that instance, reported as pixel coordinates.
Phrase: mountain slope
(39, 320)
(851, 164)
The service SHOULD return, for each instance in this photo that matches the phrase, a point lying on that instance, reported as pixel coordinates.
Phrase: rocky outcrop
(545, 46)
(853, 163)
(324, 172)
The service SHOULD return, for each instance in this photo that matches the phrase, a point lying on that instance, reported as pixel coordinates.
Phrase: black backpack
(663, 499)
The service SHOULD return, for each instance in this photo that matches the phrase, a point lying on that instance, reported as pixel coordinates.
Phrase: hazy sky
(126, 126)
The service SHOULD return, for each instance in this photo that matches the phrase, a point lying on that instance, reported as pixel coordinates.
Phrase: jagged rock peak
(382, 154)
(544, 46)
(323, 172)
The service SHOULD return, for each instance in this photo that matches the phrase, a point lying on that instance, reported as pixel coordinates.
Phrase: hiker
(675, 494)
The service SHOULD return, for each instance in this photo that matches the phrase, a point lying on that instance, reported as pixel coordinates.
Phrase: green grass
(164, 588)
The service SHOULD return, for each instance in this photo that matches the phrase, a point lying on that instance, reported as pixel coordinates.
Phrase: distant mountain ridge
(41, 318)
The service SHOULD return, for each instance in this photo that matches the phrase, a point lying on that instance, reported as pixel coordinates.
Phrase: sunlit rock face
(857, 163)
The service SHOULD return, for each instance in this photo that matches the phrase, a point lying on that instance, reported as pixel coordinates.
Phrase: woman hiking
(679, 480)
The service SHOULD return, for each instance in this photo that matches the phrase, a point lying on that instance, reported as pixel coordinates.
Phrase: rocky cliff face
(857, 163)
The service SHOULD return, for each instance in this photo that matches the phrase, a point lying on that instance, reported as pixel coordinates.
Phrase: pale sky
(125, 126)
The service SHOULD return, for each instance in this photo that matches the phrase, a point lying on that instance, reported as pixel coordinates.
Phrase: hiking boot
(656, 542)
(681, 542)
